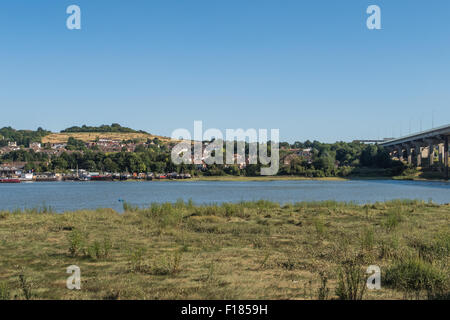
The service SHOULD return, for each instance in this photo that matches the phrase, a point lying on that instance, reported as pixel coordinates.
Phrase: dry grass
(254, 250)
(92, 136)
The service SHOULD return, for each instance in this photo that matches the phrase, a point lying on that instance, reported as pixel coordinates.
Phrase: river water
(63, 196)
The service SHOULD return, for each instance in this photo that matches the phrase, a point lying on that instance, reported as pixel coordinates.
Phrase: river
(64, 196)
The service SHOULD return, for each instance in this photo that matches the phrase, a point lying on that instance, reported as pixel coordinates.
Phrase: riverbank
(418, 176)
(297, 178)
(264, 178)
(252, 250)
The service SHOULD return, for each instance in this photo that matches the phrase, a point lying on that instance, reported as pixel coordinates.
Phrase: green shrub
(76, 242)
(100, 250)
(323, 291)
(4, 214)
(390, 248)
(230, 209)
(94, 251)
(367, 239)
(168, 265)
(5, 293)
(415, 275)
(210, 275)
(26, 286)
(165, 214)
(393, 218)
(320, 227)
(128, 207)
(436, 249)
(107, 247)
(136, 260)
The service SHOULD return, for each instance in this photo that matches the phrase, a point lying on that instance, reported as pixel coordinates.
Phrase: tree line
(328, 160)
(115, 127)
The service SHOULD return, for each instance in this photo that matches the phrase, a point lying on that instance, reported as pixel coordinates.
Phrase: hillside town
(16, 171)
(116, 153)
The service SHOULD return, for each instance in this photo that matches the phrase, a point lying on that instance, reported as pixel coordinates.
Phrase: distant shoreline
(294, 178)
(259, 179)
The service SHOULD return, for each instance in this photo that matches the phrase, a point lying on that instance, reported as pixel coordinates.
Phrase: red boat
(101, 178)
(9, 180)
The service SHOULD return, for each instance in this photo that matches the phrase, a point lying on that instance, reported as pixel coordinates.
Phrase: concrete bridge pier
(441, 154)
(418, 154)
(430, 155)
(400, 153)
(408, 154)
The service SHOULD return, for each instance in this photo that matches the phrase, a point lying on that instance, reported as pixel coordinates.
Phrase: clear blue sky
(310, 68)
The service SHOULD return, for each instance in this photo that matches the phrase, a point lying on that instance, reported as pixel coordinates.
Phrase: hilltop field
(92, 136)
(251, 250)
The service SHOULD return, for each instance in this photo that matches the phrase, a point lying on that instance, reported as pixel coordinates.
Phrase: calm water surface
(63, 196)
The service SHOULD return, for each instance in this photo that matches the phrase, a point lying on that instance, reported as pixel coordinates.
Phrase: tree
(75, 144)
(110, 165)
(368, 155)
(140, 148)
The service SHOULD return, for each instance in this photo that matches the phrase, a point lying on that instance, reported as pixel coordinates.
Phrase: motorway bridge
(431, 145)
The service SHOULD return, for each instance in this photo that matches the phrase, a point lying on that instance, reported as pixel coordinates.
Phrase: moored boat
(101, 178)
(9, 180)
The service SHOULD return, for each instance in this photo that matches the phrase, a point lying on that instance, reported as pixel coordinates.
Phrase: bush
(5, 293)
(94, 251)
(438, 248)
(165, 214)
(416, 275)
(128, 207)
(4, 214)
(168, 265)
(367, 239)
(393, 218)
(78, 245)
(323, 291)
(76, 242)
(136, 260)
(351, 281)
(320, 227)
(26, 286)
(100, 250)
(390, 248)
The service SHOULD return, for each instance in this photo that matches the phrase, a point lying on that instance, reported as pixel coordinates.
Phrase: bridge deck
(438, 133)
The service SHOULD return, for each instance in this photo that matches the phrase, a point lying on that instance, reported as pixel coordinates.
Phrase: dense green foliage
(75, 144)
(21, 137)
(115, 127)
(340, 159)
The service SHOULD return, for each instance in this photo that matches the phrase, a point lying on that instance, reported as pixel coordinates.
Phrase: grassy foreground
(251, 250)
